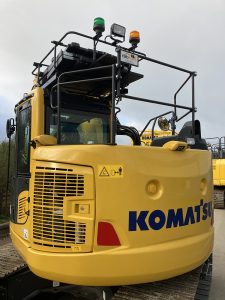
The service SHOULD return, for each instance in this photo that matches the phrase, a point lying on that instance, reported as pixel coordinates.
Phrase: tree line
(4, 155)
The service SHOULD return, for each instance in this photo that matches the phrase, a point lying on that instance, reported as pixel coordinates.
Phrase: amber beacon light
(134, 38)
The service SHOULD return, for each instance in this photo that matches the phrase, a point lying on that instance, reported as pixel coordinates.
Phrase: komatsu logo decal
(157, 219)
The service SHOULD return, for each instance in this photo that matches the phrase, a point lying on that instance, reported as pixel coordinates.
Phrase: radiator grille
(51, 185)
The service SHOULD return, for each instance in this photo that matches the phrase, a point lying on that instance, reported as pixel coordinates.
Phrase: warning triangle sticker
(104, 172)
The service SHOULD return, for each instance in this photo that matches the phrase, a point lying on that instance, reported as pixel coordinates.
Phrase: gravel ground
(217, 291)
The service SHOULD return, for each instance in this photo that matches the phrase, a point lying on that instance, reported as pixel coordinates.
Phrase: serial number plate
(129, 58)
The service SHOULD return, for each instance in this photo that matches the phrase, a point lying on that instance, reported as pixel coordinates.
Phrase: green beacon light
(99, 26)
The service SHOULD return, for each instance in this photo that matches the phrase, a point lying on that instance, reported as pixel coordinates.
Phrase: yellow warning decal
(110, 171)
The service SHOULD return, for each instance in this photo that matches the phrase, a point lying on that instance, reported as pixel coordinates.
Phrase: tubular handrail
(117, 93)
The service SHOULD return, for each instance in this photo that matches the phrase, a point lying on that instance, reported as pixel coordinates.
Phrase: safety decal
(25, 234)
(110, 171)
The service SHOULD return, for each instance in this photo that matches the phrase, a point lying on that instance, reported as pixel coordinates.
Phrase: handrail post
(112, 113)
(193, 103)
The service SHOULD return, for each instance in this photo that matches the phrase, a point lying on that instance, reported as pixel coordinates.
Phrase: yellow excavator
(146, 137)
(87, 212)
(217, 147)
(165, 129)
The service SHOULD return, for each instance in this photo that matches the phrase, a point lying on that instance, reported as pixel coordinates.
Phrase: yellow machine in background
(90, 212)
(147, 136)
(217, 147)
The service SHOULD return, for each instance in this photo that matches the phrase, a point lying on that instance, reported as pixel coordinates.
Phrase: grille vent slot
(22, 203)
(51, 185)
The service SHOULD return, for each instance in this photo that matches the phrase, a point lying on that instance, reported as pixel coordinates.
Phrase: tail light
(107, 235)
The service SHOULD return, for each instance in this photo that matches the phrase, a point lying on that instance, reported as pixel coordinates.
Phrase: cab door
(22, 157)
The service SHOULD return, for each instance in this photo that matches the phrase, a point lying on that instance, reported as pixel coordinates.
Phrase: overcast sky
(186, 33)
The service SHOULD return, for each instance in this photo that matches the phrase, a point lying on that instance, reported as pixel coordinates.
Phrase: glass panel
(79, 127)
(23, 140)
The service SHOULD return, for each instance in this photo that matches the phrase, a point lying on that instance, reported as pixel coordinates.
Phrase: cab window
(79, 127)
(23, 140)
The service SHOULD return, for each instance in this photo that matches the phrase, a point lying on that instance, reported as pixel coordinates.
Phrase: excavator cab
(88, 211)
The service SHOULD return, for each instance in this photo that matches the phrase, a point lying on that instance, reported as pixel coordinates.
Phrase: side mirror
(163, 124)
(10, 127)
